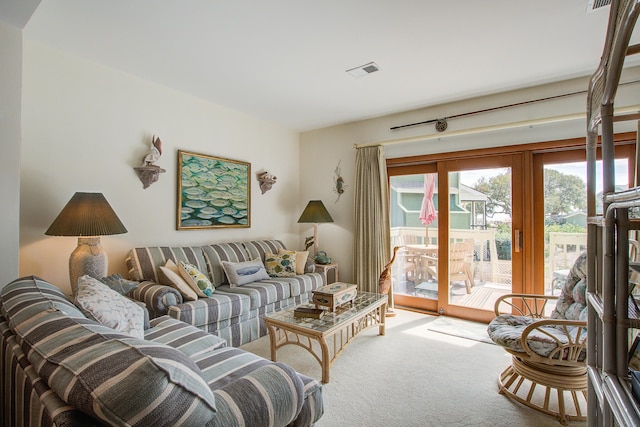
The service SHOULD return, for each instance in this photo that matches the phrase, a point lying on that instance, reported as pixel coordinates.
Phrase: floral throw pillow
(280, 265)
(301, 259)
(198, 281)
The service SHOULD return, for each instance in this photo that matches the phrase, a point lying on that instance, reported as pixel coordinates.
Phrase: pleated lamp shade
(87, 216)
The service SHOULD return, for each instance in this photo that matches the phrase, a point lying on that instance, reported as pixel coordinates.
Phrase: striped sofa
(232, 313)
(59, 368)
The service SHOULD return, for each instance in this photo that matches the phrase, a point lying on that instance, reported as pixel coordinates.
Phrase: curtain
(372, 236)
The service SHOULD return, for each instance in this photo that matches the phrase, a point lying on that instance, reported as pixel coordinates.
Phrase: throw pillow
(198, 281)
(301, 259)
(109, 308)
(119, 284)
(175, 280)
(241, 273)
(280, 265)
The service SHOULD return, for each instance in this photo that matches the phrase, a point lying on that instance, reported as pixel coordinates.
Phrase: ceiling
(285, 60)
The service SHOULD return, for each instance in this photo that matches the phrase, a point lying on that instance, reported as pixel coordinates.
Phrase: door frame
(530, 269)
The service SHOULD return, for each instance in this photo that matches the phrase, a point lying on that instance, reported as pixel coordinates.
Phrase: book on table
(315, 313)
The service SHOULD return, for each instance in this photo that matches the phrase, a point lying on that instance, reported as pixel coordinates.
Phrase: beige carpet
(413, 376)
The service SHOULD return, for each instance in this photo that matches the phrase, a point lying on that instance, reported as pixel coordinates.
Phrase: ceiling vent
(596, 4)
(363, 70)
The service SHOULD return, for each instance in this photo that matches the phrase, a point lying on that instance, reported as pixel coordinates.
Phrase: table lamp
(87, 216)
(315, 212)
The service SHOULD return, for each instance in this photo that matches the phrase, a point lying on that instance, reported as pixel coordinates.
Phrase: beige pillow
(172, 273)
(301, 259)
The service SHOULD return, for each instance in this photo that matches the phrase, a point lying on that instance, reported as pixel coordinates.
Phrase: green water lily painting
(212, 192)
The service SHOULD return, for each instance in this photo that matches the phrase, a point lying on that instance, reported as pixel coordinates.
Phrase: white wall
(86, 126)
(10, 88)
(320, 150)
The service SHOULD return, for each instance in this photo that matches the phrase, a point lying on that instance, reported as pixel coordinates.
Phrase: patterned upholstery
(507, 329)
(76, 372)
(233, 313)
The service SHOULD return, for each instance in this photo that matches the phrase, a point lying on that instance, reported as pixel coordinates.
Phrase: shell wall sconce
(149, 172)
(266, 181)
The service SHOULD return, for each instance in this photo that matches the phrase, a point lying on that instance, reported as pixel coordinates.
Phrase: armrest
(158, 298)
(524, 304)
(281, 394)
(566, 353)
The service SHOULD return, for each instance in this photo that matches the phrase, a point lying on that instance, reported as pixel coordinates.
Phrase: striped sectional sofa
(232, 313)
(59, 368)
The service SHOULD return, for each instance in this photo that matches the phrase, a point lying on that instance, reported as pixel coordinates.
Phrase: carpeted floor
(413, 376)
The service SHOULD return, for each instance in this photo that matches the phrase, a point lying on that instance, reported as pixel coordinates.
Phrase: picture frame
(213, 192)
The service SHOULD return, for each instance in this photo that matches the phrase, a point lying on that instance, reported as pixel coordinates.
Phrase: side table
(325, 268)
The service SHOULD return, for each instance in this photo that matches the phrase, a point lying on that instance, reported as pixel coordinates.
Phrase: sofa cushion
(181, 336)
(106, 306)
(172, 274)
(258, 248)
(39, 295)
(262, 292)
(282, 264)
(144, 263)
(196, 279)
(215, 254)
(247, 386)
(220, 306)
(115, 378)
(241, 273)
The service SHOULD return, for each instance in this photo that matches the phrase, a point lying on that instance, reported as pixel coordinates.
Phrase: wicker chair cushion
(506, 331)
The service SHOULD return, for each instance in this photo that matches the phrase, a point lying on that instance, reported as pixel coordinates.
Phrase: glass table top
(361, 304)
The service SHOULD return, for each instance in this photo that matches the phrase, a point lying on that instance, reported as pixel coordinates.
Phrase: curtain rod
(503, 126)
(501, 107)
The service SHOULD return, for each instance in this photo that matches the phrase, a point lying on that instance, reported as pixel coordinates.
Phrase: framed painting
(212, 192)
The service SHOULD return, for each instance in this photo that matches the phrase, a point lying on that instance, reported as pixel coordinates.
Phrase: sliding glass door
(475, 225)
(455, 223)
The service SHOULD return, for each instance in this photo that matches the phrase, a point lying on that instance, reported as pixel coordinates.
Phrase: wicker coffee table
(338, 328)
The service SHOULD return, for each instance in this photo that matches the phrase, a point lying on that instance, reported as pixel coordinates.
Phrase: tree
(563, 193)
(498, 190)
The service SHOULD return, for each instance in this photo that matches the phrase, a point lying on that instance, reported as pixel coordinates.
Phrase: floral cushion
(280, 265)
(573, 291)
(506, 330)
(301, 259)
(196, 279)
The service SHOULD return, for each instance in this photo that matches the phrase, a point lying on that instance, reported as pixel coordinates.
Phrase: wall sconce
(266, 181)
(149, 172)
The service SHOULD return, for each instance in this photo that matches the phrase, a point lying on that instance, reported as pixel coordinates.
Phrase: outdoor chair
(460, 263)
(548, 364)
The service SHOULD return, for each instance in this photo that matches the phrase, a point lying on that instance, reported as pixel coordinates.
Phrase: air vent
(363, 70)
(596, 4)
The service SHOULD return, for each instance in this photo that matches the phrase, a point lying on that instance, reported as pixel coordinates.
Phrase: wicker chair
(548, 364)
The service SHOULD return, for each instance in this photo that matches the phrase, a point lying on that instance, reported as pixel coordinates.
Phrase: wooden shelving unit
(610, 315)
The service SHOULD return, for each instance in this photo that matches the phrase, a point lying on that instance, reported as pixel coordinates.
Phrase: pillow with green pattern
(196, 279)
(280, 265)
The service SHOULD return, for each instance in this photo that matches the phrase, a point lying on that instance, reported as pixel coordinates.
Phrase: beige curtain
(372, 241)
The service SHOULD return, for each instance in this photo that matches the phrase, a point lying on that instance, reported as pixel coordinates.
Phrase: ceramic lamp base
(88, 258)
